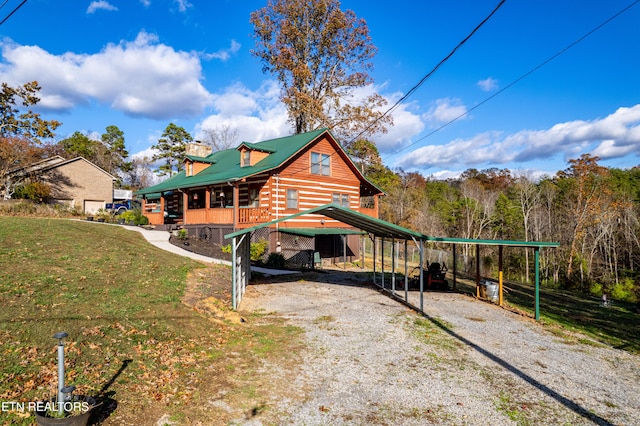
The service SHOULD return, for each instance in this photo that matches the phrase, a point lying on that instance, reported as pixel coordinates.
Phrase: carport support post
(344, 251)
(382, 256)
(406, 273)
(500, 300)
(537, 262)
(477, 270)
(455, 282)
(393, 265)
(421, 276)
(375, 244)
(233, 273)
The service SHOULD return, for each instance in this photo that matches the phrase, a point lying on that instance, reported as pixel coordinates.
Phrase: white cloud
(140, 78)
(183, 5)
(146, 3)
(224, 54)
(445, 110)
(406, 124)
(256, 115)
(100, 5)
(488, 84)
(614, 136)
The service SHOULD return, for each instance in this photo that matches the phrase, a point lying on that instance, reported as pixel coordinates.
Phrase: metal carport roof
(379, 228)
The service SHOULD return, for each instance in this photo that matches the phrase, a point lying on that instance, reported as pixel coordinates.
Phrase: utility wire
(426, 77)
(12, 12)
(430, 73)
(522, 77)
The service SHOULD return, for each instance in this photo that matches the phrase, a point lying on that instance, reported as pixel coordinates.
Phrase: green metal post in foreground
(537, 262)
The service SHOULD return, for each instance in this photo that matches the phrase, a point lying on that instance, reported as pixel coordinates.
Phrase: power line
(430, 73)
(522, 77)
(13, 11)
(426, 77)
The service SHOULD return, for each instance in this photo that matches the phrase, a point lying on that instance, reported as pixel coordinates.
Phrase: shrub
(141, 220)
(275, 261)
(258, 250)
(129, 216)
(36, 191)
(623, 290)
(595, 289)
(226, 249)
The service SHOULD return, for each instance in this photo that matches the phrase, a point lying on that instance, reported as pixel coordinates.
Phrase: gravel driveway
(371, 360)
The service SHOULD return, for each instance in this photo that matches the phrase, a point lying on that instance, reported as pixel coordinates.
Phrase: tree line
(591, 210)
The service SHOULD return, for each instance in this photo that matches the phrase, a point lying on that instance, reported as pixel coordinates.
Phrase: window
(254, 197)
(221, 197)
(292, 198)
(320, 164)
(341, 199)
(246, 158)
(196, 199)
(367, 202)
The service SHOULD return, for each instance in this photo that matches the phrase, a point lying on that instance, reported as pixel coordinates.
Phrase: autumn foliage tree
(22, 131)
(321, 55)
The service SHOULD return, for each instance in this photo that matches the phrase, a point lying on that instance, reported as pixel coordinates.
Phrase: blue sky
(142, 64)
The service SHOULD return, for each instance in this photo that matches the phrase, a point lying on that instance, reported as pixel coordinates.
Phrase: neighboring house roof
(52, 163)
(225, 165)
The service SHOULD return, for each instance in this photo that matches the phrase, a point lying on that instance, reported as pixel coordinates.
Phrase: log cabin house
(218, 193)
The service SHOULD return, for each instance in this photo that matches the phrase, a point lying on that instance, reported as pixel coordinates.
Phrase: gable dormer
(251, 154)
(197, 158)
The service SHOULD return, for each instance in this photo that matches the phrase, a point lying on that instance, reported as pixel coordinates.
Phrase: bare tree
(220, 137)
(529, 196)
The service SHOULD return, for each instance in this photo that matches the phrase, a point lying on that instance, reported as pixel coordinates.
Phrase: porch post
(185, 206)
(236, 201)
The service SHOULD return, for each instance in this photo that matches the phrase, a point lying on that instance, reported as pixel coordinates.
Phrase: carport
(376, 229)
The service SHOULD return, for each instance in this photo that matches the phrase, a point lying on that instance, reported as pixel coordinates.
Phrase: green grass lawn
(132, 343)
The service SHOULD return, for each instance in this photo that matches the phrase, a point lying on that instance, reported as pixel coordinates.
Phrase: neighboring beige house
(75, 182)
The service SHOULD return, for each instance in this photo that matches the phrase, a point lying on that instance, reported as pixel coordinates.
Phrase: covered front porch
(217, 205)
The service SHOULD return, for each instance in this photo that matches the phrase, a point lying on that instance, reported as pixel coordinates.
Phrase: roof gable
(55, 162)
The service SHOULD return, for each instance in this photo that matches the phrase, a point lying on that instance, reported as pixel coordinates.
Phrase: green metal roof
(493, 242)
(200, 159)
(225, 165)
(384, 229)
(312, 232)
(358, 220)
(256, 146)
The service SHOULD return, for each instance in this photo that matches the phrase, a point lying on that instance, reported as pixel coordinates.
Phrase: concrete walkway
(160, 239)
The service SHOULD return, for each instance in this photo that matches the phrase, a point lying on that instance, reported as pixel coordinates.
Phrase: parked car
(122, 206)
